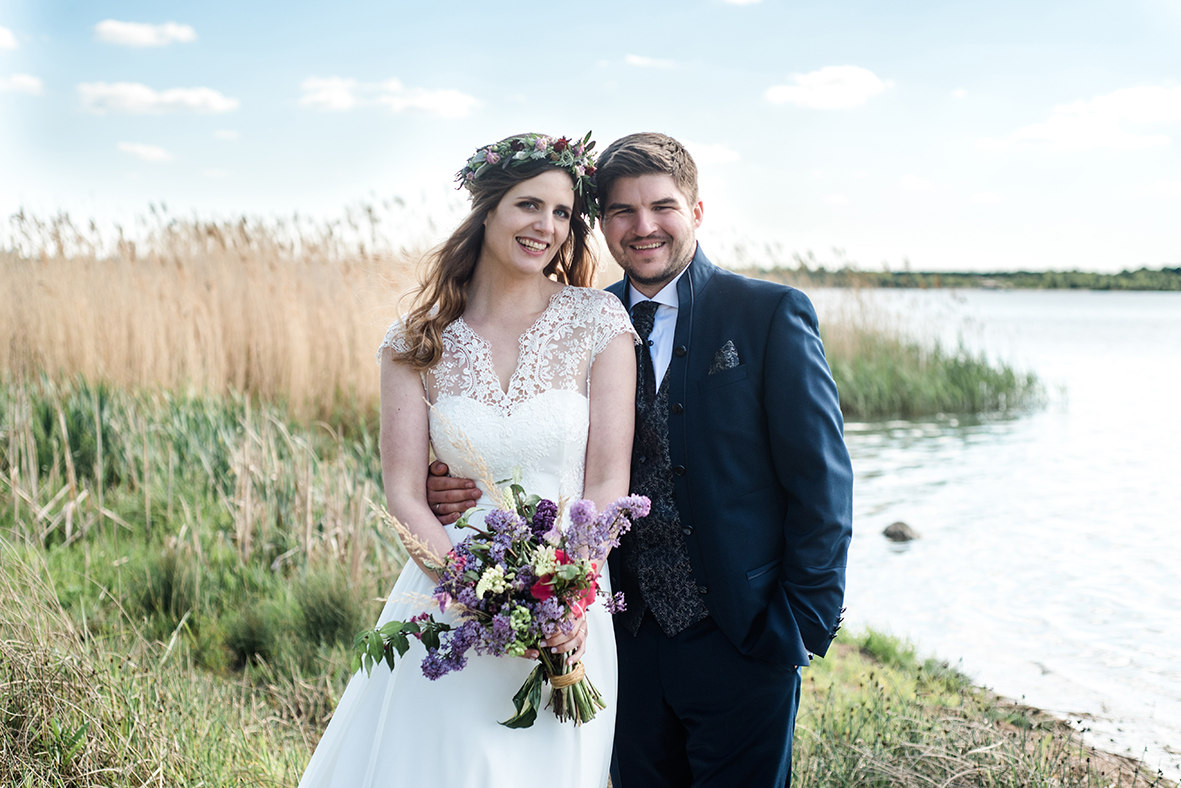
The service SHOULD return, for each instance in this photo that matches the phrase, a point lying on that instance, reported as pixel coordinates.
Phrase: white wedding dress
(397, 728)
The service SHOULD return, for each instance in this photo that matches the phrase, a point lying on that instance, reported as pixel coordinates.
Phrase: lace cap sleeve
(395, 340)
(609, 319)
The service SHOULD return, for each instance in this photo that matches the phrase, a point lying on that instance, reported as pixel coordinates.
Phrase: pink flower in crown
(542, 143)
(491, 156)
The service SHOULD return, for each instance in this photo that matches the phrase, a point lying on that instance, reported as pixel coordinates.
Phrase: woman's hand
(573, 644)
(562, 643)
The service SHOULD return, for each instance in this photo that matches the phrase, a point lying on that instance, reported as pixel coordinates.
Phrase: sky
(932, 135)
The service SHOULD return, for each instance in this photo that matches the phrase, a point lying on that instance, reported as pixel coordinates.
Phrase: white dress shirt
(660, 343)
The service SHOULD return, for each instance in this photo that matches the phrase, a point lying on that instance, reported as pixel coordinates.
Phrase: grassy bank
(179, 578)
(293, 314)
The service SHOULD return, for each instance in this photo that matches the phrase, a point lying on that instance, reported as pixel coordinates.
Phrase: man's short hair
(646, 153)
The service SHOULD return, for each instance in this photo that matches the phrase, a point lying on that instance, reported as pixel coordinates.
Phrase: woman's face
(529, 224)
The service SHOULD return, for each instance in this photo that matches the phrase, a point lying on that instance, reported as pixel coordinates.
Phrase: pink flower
(542, 590)
(444, 599)
(491, 156)
(542, 143)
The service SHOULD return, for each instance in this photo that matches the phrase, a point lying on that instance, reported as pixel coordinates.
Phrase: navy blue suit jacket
(763, 479)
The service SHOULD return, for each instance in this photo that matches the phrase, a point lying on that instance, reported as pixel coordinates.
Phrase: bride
(525, 367)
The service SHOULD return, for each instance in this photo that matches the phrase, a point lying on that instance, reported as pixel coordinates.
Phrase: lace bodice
(541, 423)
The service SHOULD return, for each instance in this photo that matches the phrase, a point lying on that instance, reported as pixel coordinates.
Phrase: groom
(737, 575)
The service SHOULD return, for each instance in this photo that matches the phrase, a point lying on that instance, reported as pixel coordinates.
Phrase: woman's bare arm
(612, 422)
(405, 448)
(608, 449)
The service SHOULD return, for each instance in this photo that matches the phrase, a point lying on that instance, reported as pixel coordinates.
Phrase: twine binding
(576, 675)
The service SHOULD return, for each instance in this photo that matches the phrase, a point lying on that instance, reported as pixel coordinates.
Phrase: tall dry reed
(279, 310)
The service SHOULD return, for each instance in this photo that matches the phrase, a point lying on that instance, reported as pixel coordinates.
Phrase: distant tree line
(1141, 279)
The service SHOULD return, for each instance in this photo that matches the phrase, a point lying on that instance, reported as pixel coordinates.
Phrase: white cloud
(7, 38)
(332, 93)
(988, 198)
(1103, 122)
(959, 93)
(137, 34)
(836, 199)
(913, 183)
(21, 83)
(225, 134)
(832, 87)
(715, 153)
(137, 99)
(145, 152)
(648, 62)
(336, 94)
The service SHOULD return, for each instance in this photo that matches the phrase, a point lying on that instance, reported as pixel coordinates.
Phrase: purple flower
(510, 525)
(583, 512)
(433, 665)
(491, 156)
(615, 603)
(544, 517)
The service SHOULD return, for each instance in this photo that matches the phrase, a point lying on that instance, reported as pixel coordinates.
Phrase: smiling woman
(491, 371)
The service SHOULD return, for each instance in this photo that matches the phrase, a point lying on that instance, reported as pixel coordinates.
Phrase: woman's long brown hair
(442, 296)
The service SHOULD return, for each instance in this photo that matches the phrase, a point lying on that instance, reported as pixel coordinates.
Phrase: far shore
(1142, 279)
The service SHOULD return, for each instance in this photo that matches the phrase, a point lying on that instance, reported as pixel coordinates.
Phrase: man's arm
(812, 464)
(449, 496)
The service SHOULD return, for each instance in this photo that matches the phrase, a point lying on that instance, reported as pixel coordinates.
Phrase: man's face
(651, 229)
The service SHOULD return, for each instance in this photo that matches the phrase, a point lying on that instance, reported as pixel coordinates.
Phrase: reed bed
(292, 313)
(282, 311)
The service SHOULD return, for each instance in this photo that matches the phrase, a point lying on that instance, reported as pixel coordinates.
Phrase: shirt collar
(666, 297)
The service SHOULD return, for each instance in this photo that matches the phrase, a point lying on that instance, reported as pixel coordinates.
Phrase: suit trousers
(694, 711)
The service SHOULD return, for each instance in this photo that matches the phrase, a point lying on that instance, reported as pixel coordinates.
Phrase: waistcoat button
(679, 470)
(680, 350)
(677, 409)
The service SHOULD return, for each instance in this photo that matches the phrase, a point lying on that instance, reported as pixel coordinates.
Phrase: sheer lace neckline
(485, 347)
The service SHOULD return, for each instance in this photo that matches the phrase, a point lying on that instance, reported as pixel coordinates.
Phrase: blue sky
(965, 135)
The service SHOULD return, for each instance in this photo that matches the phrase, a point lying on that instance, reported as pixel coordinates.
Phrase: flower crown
(572, 156)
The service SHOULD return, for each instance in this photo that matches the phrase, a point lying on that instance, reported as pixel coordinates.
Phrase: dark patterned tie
(644, 318)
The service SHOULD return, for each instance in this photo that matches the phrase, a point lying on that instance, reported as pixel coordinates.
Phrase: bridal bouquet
(515, 581)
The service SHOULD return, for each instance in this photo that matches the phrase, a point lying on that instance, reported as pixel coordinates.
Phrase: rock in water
(900, 532)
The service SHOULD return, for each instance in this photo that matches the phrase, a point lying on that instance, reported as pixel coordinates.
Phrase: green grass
(192, 628)
(882, 375)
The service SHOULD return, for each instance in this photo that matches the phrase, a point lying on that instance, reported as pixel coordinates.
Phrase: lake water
(1051, 542)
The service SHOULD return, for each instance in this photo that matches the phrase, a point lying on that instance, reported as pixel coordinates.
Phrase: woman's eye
(562, 212)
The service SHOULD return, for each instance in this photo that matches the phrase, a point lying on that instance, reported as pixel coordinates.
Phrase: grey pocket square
(726, 358)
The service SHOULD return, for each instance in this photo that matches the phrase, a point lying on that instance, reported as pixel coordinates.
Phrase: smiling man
(737, 575)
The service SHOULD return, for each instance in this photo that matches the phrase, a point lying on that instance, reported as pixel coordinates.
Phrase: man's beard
(678, 261)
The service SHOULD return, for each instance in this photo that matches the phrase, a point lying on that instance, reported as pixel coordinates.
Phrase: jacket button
(677, 409)
(702, 590)
(679, 470)
(680, 351)
(686, 531)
